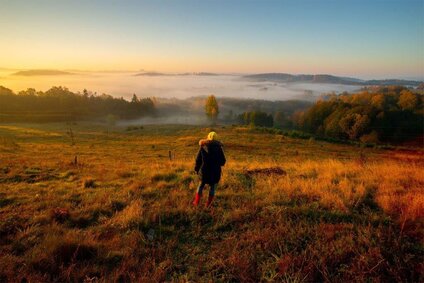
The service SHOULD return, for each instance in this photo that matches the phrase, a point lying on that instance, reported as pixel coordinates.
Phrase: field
(93, 203)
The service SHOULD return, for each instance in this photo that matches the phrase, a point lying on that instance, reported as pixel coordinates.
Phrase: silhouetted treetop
(61, 104)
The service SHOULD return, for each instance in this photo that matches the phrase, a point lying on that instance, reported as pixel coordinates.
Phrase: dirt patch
(266, 171)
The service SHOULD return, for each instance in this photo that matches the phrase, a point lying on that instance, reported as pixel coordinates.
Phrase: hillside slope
(286, 210)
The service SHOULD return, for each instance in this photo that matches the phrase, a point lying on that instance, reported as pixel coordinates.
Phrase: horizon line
(364, 77)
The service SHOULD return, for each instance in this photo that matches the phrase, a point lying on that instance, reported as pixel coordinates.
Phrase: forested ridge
(376, 115)
(60, 104)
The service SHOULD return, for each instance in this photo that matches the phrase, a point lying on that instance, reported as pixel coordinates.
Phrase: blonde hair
(212, 136)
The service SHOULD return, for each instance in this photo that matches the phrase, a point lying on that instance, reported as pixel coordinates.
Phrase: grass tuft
(89, 183)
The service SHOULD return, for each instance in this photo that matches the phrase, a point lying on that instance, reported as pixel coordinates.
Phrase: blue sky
(374, 38)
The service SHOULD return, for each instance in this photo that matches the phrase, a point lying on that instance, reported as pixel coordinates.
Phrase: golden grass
(339, 213)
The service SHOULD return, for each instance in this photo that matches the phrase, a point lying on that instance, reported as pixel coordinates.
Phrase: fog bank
(195, 119)
(126, 84)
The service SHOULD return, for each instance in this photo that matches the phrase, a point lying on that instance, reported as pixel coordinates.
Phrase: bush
(370, 138)
(134, 128)
(89, 183)
(60, 214)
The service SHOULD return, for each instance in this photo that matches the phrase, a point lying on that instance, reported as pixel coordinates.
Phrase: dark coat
(209, 160)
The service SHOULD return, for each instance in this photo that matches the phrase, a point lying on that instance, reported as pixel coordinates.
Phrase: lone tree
(134, 99)
(211, 108)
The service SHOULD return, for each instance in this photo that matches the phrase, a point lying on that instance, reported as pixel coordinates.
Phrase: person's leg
(212, 190)
(211, 194)
(200, 188)
(198, 194)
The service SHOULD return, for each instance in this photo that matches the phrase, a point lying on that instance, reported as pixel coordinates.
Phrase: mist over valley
(181, 86)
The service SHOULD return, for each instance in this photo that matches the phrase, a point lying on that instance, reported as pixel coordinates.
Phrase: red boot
(197, 199)
(209, 202)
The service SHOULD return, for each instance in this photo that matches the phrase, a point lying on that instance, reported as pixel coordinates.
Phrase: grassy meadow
(286, 210)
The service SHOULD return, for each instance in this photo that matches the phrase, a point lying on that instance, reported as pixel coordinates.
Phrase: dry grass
(123, 213)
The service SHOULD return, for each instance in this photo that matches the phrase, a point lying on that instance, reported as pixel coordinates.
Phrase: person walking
(209, 160)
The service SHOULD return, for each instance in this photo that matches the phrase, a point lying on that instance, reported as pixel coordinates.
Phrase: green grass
(123, 211)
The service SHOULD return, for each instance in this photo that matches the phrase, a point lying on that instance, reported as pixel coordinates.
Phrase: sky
(364, 39)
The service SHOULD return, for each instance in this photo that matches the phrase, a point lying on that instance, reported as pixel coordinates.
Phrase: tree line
(386, 114)
(60, 104)
(256, 118)
(374, 115)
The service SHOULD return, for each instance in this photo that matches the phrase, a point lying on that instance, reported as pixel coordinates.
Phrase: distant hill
(151, 74)
(325, 78)
(394, 82)
(157, 74)
(205, 74)
(42, 73)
